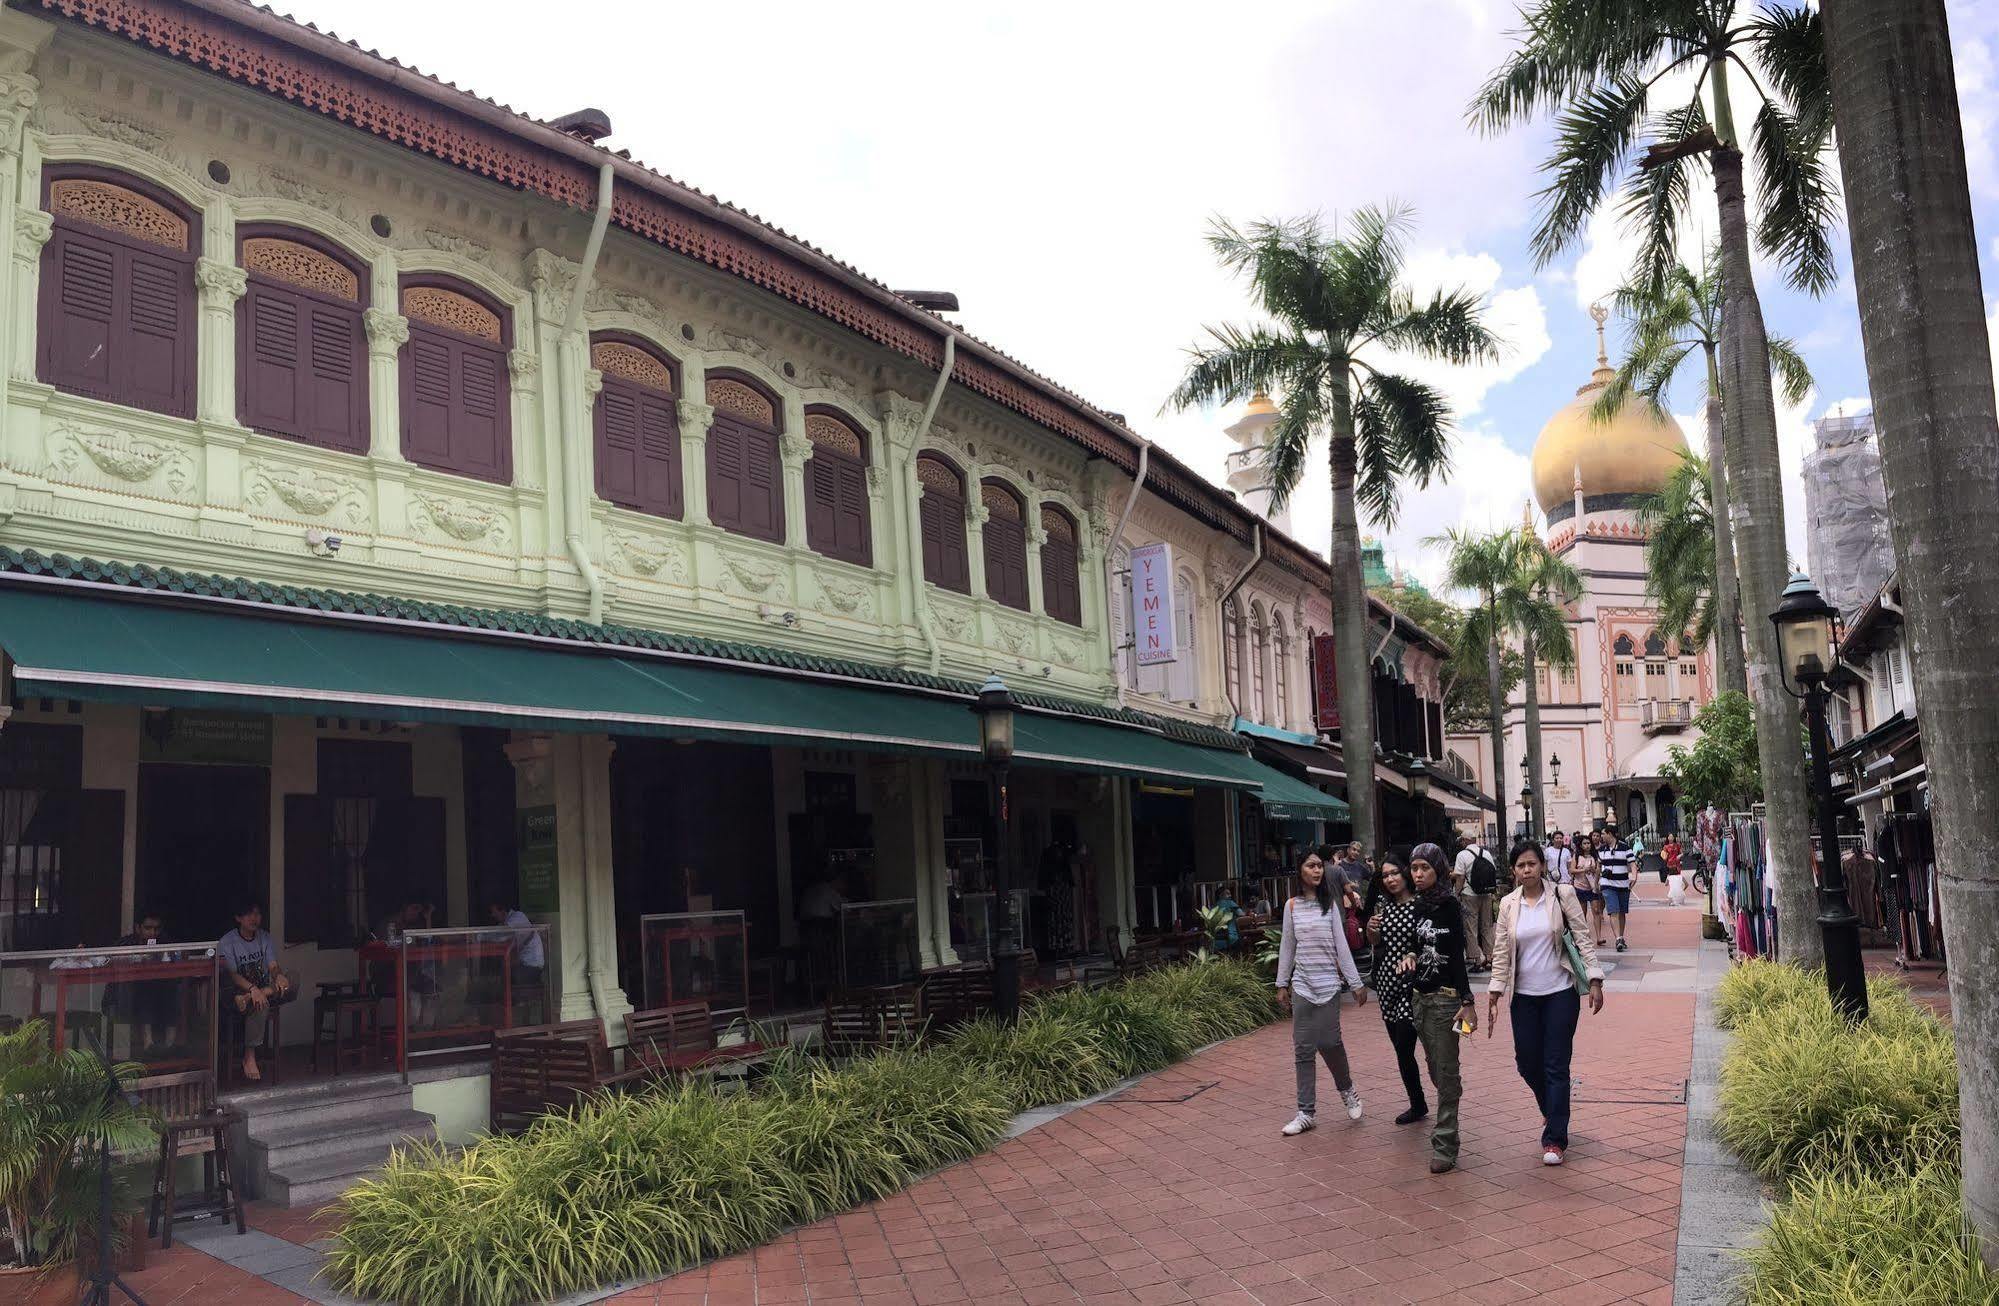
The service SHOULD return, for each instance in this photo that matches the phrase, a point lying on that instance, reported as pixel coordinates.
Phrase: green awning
(70, 643)
(1289, 799)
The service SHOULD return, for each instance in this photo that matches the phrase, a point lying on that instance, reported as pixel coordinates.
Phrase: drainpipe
(1221, 618)
(575, 502)
(1110, 559)
(924, 621)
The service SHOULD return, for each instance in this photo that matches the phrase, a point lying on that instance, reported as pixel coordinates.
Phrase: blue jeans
(1544, 1037)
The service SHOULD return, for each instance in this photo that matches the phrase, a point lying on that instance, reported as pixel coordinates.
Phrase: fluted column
(220, 285)
(387, 334)
(695, 419)
(794, 448)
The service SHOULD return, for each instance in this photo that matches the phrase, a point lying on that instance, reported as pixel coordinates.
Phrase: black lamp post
(1807, 641)
(994, 706)
(1418, 776)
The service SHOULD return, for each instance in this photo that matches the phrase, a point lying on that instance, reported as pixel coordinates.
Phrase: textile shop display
(1905, 851)
(1744, 866)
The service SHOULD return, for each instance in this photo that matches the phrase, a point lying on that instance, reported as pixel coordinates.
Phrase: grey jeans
(1315, 1032)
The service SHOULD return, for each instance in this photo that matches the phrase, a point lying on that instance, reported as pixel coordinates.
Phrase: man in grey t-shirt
(252, 981)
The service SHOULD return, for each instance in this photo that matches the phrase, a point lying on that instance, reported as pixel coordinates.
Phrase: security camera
(321, 543)
(791, 619)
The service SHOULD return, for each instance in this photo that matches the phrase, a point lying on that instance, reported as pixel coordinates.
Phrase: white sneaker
(1299, 1125)
(1351, 1097)
(1551, 1155)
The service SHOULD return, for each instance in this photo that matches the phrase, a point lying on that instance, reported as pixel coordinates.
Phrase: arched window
(1259, 656)
(836, 488)
(1280, 657)
(946, 564)
(1232, 652)
(1184, 681)
(116, 315)
(1005, 544)
(454, 380)
(1624, 651)
(301, 353)
(745, 473)
(635, 427)
(1061, 576)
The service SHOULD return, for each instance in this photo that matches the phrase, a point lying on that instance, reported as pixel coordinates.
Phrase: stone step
(318, 1180)
(326, 1100)
(280, 1148)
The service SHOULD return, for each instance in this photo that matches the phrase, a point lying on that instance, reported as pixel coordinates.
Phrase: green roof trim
(143, 576)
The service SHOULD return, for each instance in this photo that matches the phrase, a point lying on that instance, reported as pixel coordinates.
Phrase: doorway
(204, 844)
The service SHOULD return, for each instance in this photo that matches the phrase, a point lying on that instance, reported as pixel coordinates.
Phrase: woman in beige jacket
(1530, 968)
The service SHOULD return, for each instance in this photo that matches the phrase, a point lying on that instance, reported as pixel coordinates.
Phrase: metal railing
(1662, 714)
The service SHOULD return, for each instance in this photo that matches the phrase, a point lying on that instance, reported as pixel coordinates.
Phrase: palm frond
(1241, 361)
(1787, 365)
(1593, 134)
(1791, 45)
(1451, 326)
(1655, 199)
(1287, 445)
(1405, 432)
(1800, 205)
(1567, 46)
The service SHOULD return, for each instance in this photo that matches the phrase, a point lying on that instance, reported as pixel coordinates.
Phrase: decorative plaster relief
(754, 576)
(452, 242)
(459, 519)
(649, 555)
(523, 365)
(1014, 636)
(32, 229)
(1068, 652)
(824, 378)
(736, 342)
(850, 598)
(126, 131)
(605, 301)
(796, 447)
(305, 491)
(877, 481)
(222, 281)
(129, 458)
(954, 617)
(387, 332)
(901, 417)
(695, 417)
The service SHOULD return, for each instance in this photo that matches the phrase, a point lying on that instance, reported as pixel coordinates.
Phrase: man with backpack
(1477, 878)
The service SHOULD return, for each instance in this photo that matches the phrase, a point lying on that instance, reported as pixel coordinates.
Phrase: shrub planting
(1870, 1242)
(637, 1185)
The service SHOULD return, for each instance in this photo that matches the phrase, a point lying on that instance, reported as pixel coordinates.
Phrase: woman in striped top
(1314, 967)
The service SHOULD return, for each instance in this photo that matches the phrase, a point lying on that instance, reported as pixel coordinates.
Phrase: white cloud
(1514, 314)
(1488, 486)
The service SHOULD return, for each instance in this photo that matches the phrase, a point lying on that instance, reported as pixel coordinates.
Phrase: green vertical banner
(535, 845)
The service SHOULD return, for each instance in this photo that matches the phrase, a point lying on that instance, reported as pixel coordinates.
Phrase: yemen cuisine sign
(1152, 603)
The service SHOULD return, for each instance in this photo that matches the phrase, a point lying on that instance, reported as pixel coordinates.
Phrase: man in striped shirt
(1616, 863)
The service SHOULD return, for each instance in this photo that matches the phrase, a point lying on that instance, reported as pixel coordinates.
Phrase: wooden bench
(958, 994)
(867, 1020)
(543, 1068)
(681, 1039)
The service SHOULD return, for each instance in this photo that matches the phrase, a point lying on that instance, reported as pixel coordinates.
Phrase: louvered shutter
(763, 486)
(271, 397)
(618, 438)
(822, 504)
(725, 474)
(158, 331)
(851, 512)
(477, 439)
(1060, 592)
(931, 512)
(427, 399)
(659, 454)
(1006, 562)
(337, 379)
(78, 332)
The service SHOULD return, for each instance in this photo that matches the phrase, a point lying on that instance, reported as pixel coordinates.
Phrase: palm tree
(1922, 322)
(1681, 555)
(1534, 604)
(1596, 65)
(1669, 321)
(1338, 308)
(1481, 565)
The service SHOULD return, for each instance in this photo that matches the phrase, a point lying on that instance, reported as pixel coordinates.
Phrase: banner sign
(540, 893)
(1152, 604)
(185, 734)
(1326, 677)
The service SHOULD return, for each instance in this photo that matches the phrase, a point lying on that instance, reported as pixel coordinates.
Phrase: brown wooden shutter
(159, 335)
(851, 513)
(617, 437)
(1006, 563)
(763, 486)
(81, 320)
(822, 504)
(427, 399)
(659, 454)
(455, 385)
(301, 363)
(725, 475)
(637, 427)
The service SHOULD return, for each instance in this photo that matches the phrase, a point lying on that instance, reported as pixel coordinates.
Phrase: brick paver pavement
(1181, 1189)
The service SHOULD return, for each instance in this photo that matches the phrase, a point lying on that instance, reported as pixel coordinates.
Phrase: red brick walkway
(1182, 1190)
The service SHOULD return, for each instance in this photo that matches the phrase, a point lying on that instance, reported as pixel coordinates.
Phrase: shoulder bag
(1570, 952)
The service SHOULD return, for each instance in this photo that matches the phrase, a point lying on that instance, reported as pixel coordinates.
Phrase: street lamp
(1418, 776)
(1807, 634)
(994, 707)
(1555, 769)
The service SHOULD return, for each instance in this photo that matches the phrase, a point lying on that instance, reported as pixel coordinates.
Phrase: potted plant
(54, 1117)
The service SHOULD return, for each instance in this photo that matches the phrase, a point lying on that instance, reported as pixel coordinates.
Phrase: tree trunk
(1495, 678)
(1727, 597)
(1537, 804)
(1922, 323)
(1756, 500)
(1350, 627)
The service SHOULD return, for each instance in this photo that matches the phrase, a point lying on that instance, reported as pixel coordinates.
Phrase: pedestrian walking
(1440, 992)
(1615, 861)
(1541, 940)
(1475, 877)
(1392, 931)
(1586, 874)
(1561, 858)
(1314, 967)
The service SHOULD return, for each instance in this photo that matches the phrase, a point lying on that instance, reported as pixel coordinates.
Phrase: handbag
(1570, 952)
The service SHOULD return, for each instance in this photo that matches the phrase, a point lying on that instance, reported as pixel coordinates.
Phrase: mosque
(1606, 726)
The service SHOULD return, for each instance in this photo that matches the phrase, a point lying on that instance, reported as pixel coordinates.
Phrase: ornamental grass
(1870, 1242)
(639, 1185)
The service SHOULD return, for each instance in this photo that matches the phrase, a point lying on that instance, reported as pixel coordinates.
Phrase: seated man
(529, 958)
(148, 1004)
(252, 981)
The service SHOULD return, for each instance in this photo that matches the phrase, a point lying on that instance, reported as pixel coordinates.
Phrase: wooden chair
(543, 1068)
(864, 1021)
(191, 1124)
(682, 1039)
(348, 1016)
(266, 1052)
(957, 995)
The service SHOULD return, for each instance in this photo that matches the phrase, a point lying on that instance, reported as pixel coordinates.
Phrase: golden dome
(1632, 453)
(1259, 406)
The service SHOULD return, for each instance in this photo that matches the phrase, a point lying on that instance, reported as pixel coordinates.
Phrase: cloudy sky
(1056, 164)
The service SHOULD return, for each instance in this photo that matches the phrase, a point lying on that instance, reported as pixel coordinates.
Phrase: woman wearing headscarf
(1440, 992)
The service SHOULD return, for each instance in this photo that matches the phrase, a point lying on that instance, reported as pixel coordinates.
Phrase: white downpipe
(1110, 562)
(919, 588)
(1222, 620)
(575, 501)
